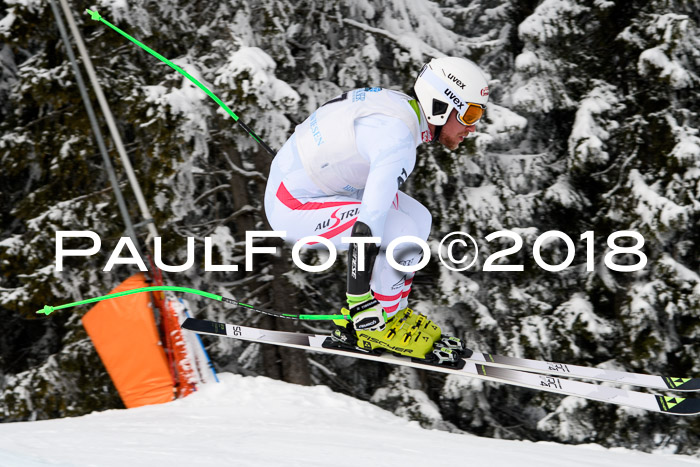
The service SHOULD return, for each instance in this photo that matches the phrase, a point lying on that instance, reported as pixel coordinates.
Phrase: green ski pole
(47, 310)
(97, 17)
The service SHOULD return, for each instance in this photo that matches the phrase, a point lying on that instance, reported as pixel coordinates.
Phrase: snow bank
(261, 422)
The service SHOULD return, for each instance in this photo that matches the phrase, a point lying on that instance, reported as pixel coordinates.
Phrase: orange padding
(124, 333)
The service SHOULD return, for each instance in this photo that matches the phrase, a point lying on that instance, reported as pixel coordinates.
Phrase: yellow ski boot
(425, 325)
(420, 321)
(401, 336)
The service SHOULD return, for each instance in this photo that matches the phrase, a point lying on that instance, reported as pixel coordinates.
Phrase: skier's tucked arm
(388, 145)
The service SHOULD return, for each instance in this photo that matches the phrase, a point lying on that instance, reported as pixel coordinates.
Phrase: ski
(473, 368)
(664, 383)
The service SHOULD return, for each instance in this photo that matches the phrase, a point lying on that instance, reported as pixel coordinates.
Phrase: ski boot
(406, 334)
(420, 321)
(441, 341)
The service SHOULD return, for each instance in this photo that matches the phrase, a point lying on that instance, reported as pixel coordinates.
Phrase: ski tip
(682, 384)
(94, 15)
(678, 405)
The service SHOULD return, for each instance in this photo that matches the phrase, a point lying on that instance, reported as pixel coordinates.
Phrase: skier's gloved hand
(366, 312)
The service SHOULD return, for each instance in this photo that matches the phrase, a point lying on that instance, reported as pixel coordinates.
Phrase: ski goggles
(472, 115)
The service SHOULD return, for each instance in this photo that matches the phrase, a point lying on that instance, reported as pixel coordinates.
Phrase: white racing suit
(345, 163)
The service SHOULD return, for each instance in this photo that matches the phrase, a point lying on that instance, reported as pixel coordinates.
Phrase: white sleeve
(388, 144)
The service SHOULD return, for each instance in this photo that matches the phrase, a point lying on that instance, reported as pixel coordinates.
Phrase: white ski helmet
(448, 83)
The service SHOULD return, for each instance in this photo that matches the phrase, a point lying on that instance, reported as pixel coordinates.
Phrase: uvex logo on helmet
(456, 80)
(485, 91)
(455, 100)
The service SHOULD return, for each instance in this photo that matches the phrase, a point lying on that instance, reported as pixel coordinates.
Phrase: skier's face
(454, 132)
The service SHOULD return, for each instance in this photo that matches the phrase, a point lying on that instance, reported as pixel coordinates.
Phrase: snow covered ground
(246, 421)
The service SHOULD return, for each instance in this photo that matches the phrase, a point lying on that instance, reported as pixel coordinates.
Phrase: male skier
(339, 175)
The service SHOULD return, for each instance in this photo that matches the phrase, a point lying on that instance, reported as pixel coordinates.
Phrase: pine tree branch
(254, 174)
(402, 42)
(210, 192)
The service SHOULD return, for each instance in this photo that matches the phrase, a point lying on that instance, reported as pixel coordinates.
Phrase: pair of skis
(534, 374)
